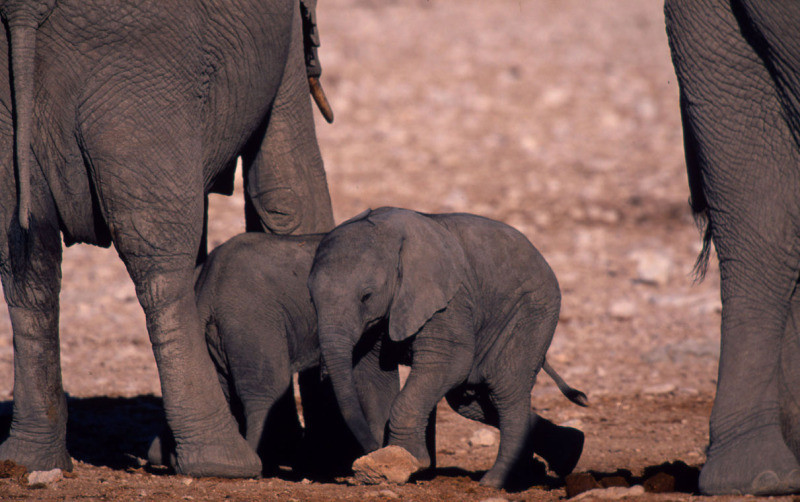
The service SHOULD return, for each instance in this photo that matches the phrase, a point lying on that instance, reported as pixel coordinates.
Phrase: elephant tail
(697, 196)
(571, 393)
(23, 46)
(23, 20)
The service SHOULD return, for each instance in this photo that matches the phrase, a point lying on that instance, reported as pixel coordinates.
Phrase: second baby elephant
(475, 304)
(261, 328)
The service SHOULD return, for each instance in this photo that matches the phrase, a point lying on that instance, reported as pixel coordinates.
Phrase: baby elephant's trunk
(572, 393)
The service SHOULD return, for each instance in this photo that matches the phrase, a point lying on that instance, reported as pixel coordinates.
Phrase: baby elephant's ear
(432, 268)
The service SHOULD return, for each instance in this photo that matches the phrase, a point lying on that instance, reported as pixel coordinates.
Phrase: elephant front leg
(286, 190)
(438, 366)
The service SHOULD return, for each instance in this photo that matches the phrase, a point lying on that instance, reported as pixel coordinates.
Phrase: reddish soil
(556, 118)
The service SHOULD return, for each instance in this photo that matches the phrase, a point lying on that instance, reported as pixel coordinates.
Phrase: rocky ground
(558, 117)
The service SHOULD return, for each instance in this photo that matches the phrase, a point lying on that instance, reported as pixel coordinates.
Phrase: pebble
(45, 477)
(578, 483)
(652, 267)
(495, 499)
(483, 437)
(660, 483)
(657, 390)
(622, 310)
(613, 493)
(388, 494)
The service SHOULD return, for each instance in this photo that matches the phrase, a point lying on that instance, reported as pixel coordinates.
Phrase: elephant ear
(432, 267)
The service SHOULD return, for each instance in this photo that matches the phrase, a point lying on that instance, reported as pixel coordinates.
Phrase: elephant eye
(365, 297)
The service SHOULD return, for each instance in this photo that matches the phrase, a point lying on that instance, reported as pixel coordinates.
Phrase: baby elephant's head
(388, 264)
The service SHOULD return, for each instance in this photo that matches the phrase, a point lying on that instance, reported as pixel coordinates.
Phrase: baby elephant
(261, 328)
(476, 305)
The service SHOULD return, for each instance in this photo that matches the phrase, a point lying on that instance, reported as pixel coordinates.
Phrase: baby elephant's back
(254, 286)
(502, 257)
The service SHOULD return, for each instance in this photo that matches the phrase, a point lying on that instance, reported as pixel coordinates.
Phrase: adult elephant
(125, 114)
(738, 66)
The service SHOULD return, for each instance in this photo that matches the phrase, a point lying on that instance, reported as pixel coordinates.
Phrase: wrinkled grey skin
(261, 328)
(475, 304)
(738, 66)
(141, 108)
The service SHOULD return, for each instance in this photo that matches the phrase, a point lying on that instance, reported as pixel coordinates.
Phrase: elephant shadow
(112, 432)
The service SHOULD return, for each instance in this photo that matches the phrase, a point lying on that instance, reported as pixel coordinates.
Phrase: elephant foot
(224, 457)
(391, 464)
(759, 464)
(563, 450)
(521, 476)
(162, 451)
(36, 456)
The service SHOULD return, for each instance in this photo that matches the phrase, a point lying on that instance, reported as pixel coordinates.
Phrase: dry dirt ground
(559, 117)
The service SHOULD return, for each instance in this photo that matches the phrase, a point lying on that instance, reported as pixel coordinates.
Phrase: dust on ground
(558, 117)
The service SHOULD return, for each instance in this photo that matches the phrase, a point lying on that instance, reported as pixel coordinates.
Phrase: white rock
(45, 477)
(613, 493)
(483, 437)
(664, 388)
(652, 267)
(622, 310)
(388, 494)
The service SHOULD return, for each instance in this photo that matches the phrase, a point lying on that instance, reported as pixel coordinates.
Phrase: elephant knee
(279, 209)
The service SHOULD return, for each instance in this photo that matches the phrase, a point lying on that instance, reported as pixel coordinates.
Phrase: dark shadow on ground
(668, 477)
(106, 431)
(534, 474)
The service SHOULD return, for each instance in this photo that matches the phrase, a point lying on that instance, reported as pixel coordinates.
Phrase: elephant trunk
(337, 350)
(22, 30)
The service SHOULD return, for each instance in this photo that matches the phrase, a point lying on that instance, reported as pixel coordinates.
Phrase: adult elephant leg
(31, 274)
(789, 379)
(285, 183)
(153, 203)
(739, 141)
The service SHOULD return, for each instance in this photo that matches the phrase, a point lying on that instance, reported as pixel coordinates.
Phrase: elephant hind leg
(789, 379)
(31, 282)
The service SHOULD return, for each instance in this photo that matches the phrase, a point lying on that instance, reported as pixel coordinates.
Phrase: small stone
(305, 481)
(661, 389)
(495, 499)
(187, 481)
(613, 493)
(45, 477)
(652, 267)
(388, 494)
(483, 437)
(391, 464)
(660, 483)
(622, 310)
(578, 483)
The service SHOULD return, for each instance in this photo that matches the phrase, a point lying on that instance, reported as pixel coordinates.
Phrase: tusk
(320, 99)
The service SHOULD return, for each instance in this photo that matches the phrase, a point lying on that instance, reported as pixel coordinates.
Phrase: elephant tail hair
(697, 196)
(701, 265)
(571, 393)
